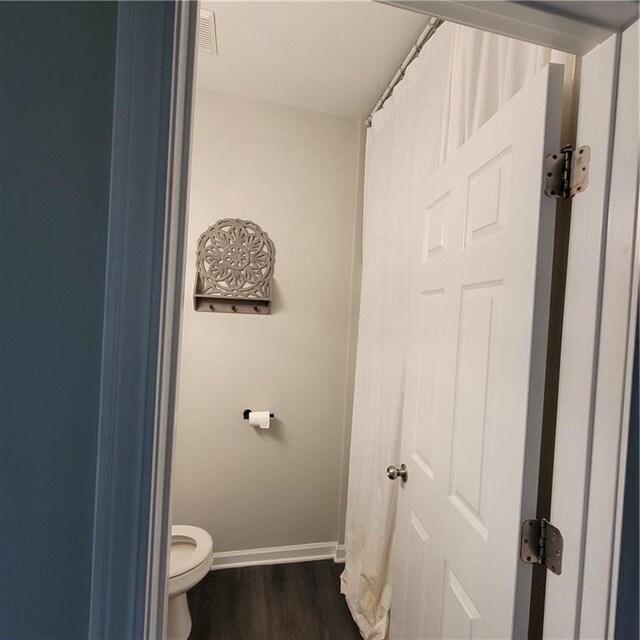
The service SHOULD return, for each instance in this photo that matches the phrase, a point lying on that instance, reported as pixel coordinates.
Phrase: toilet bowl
(190, 559)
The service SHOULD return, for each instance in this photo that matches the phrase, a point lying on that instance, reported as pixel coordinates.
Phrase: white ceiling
(335, 57)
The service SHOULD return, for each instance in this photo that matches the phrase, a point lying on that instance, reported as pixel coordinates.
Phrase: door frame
(594, 395)
(153, 91)
(137, 412)
(182, 107)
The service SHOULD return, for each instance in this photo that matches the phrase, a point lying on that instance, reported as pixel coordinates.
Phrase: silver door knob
(393, 473)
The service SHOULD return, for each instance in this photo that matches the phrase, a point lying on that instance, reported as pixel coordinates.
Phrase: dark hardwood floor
(299, 601)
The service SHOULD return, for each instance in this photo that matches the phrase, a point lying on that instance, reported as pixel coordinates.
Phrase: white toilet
(189, 561)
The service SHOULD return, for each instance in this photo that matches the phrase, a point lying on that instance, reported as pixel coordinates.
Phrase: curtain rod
(429, 30)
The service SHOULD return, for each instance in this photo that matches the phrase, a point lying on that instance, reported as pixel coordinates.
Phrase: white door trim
(578, 362)
(594, 392)
(183, 81)
(535, 22)
(615, 360)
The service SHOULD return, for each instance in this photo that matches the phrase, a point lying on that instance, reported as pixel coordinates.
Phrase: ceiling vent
(207, 37)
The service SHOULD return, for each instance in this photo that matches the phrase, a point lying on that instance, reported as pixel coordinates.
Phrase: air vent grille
(207, 37)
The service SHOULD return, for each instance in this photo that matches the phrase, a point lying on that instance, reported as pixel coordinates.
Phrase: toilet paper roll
(260, 419)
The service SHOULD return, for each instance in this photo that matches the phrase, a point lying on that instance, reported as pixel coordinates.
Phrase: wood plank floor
(300, 601)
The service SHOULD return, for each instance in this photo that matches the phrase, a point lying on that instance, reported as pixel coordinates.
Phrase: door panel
(481, 265)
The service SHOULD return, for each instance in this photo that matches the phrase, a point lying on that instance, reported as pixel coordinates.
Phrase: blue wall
(56, 103)
(627, 623)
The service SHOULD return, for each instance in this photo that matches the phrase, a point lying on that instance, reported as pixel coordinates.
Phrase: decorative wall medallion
(234, 268)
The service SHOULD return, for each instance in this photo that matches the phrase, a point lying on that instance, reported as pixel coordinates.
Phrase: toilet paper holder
(246, 412)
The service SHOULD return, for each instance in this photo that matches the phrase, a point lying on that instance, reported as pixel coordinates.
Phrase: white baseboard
(279, 555)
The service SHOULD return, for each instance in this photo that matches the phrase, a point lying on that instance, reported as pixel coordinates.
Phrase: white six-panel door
(481, 266)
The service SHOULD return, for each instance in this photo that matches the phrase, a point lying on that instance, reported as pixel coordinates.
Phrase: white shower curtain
(460, 79)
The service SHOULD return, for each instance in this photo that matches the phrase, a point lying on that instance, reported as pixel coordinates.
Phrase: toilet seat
(190, 559)
(190, 547)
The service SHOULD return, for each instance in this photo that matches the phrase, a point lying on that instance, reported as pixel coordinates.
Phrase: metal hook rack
(234, 268)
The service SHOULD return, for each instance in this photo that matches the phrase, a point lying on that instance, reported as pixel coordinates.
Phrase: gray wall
(294, 172)
(56, 83)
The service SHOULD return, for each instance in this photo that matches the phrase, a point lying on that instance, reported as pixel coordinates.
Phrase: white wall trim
(279, 555)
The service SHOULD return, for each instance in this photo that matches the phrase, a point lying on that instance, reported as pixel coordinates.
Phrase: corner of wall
(354, 314)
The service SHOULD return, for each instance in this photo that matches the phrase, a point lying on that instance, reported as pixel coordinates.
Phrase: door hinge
(567, 172)
(542, 543)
